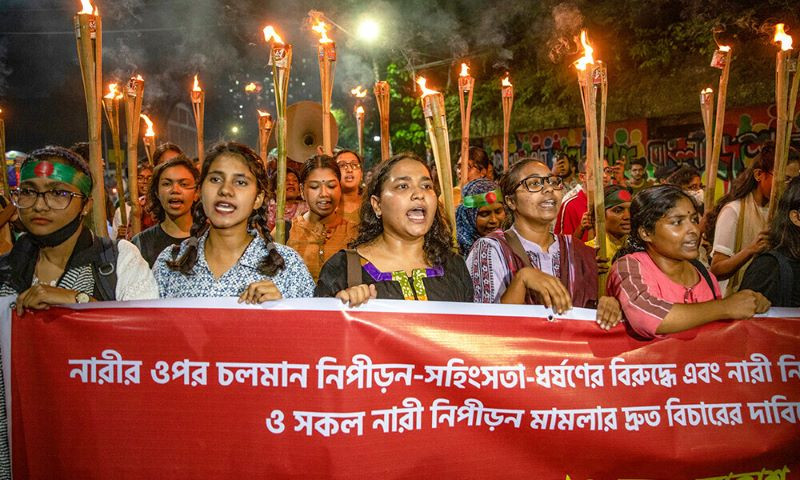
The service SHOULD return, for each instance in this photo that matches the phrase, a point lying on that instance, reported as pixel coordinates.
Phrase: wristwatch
(81, 297)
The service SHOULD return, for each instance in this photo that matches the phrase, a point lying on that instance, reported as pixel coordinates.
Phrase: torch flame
(360, 110)
(506, 82)
(112, 91)
(262, 113)
(425, 90)
(270, 36)
(96, 11)
(86, 8)
(150, 132)
(587, 58)
(196, 87)
(322, 29)
(781, 36)
(707, 91)
(139, 78)
(359, 92)
(724, 48)
(464, 70)
(250, 87)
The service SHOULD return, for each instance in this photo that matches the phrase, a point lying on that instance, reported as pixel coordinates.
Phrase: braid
(273, 262)
(186, 262)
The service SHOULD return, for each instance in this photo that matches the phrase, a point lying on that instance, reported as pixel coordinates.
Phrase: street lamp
(368, 30)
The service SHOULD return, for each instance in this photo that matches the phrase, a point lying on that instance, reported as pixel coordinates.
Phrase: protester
(477, 167)
(570, 219)
(657, 279)
(638, 174)
(170, 197)
(165, 152)
(294, 206)
(529, 264)
(567, 169)
(481, 212)
(350, 167)
(776, 273)
(663, 172)
(738, 223)
(58, 260)
(322, 230)
(403, 248)
(231, 252)
(143, 177)
(687, 178)
(617, 202)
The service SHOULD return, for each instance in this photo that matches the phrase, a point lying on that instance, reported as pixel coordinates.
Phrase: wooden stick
(465, 88)
(134, 93)
(382, 92)
(88, 36)
(790, 117)
(507, 93)
(4, 174)
(111, 108)
(707, 112)
(281, 61)
(327, 68)
(602, 73)
(781, 94)
(436, 124)
(359, 113)
(198, 97)
(719, 124)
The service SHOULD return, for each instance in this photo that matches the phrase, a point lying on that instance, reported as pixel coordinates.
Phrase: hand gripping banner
(205, 388)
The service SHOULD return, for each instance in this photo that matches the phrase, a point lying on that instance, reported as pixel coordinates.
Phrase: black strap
(353, 268)
(704, 272)
(105, 269)
(785, 277)
(516, 246)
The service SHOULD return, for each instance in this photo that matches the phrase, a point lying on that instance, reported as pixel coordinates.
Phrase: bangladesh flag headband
(482, 199)
(58, 172)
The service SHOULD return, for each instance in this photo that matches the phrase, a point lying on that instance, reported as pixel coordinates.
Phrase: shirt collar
(251, 257)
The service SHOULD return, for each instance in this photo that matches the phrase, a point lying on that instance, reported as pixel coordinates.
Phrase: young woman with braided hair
(656, 277)
(230, 251)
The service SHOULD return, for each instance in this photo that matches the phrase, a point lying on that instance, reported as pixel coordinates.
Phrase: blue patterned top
(294, 281)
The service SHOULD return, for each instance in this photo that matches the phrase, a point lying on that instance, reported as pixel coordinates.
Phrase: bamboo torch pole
(111, 109)
(600, 78)
(4, 174)
(507, 94)
(707, 112)
(198, 97)
(89, 39)
(466, 84)
(722, 59)
(783, 128)
(281, 61)
(382, 92)
(265, 125)
(586, 69)
(358, 111)
(326, 51)
(134, 92)
(436, 124)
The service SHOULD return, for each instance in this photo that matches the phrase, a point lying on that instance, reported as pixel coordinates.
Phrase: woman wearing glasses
(170, 197)
(57, 260)
(350, 165)
(528, 264)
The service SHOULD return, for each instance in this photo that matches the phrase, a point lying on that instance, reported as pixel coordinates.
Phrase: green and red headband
(56, 171)
(482, 199)
(615, 195)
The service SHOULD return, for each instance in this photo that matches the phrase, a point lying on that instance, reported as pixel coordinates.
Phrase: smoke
(567, 24)
(5, 70)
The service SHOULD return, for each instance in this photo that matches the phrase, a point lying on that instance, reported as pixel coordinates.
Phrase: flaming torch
(134, 92)
(280, 58)
(707, 111)
(251, 88)
(721, 60)
(111, 108)
(198, 108)
(382, 99)
(436, 124)
(327, 65)
(265, 125)
(149, 138)
(587, 75)
(89, 39)
(507, 93)
(465, 85)
(4, 174)
(358, 111)
(785, 111)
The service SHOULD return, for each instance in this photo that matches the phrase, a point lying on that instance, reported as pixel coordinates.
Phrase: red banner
(184, 389)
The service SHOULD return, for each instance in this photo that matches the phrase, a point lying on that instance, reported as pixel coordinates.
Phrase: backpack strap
(105, 268)
(353, 268)
(705, 274)
(785, 277)
(516, 246)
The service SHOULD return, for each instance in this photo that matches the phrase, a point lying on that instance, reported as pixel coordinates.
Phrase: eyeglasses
(54, 199)
(349, 166)
(535, 183)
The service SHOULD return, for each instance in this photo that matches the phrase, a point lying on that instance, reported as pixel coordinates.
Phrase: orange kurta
(316, 242)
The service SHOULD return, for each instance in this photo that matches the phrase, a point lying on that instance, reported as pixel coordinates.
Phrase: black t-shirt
(454, 285)
(153, 241)
(763, 275)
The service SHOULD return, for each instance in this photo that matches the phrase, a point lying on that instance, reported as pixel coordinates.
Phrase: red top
(570, 213)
